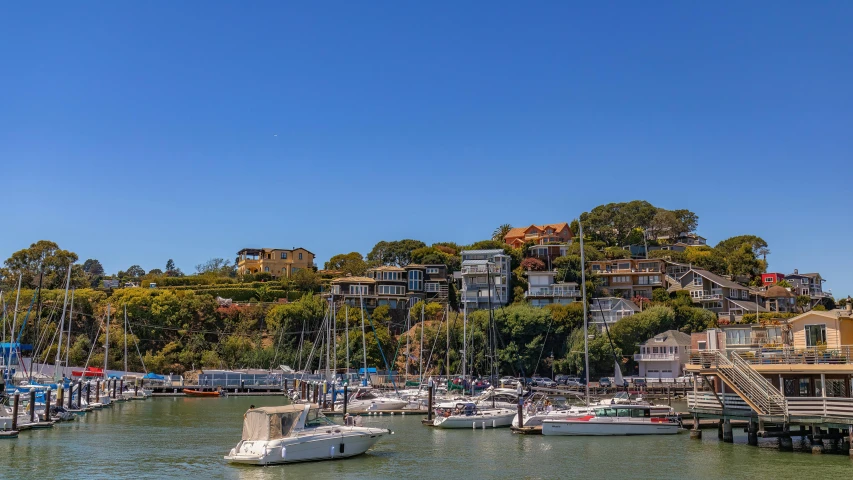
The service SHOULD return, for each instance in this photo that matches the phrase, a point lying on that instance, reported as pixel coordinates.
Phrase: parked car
(561, 379)
(639, 382)
(543, 382)
(605, 382)
(525, 381)
(509, 382)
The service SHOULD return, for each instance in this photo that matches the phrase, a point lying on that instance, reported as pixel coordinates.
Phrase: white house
(543, 289)
(664, 355)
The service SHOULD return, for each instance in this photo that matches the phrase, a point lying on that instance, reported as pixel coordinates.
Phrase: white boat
(535, 415)
(369, 399)
(298, 433)
(467, 415)
(490, 398)
(613, 420)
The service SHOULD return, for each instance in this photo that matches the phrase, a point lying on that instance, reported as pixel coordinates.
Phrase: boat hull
(592, 428)
(306, 449)
(486, 420)
(197, 393)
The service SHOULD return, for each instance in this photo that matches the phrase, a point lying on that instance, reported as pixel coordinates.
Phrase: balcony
(652, 357)
(707, 296)
(474, 269)
(552, 292)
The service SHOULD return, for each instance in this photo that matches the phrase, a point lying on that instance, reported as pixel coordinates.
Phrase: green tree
(306, 280)
(44, 257)
(398, 252)
(135, 271)
(803, 302)
(348, 263)
(93, 268)
(217, 266)
(783, 283)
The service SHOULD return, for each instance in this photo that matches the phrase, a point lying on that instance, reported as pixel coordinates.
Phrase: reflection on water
(188, 436)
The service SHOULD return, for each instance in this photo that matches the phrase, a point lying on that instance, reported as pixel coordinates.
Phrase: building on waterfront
(610, 310)
(664, 355)
(396, 287)
(552, 233)
(727, 298)
(484, 279)
(629, 278)
(543, 289)
(278, 262)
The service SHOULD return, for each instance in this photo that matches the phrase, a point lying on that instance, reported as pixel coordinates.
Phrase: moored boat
(613, 420)
(467, 415)
(200, 393)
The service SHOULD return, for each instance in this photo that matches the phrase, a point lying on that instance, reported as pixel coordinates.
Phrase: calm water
(165, 437)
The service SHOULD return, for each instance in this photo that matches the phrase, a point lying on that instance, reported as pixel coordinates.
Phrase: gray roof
(750, 307)
(670, 337)
(477, 262)
(725, 282)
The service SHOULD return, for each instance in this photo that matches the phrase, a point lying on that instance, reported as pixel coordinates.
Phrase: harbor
(156, 437)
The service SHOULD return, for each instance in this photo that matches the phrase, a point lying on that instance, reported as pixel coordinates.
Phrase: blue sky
(138, 132)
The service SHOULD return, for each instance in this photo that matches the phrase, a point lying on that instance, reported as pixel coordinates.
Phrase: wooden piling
(70, 394)
(752, 433)
(429, 402)
(88, 392)
(728, 436)
(60, 395)
(786, 444)
(47, 405)
(850, 440)
(817, 441)
(135, 389)
(98, 391)
(32, 405)
(696, 433)
(121, 387)
(346, 398)
(316, 393)
(520, 413)
(15, 401)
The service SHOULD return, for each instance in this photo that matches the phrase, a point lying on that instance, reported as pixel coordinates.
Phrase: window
(416, 280)
(738, 337)
(300, 255)
(744, 294)
(358, 290)
(696, 293)
(431, 287)
(624, 266)
(697, 280)
(815, 335)
(835, 387)
(294, 270)
(284, 255)
(431, 270)
(805, 291)
(596, 268)
(336, 289)
(266, 269)
(702, 344)
(391, 290)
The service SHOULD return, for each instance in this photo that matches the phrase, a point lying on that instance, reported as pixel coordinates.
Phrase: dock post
(114, 389)
(15, 401)
(80, 394)
(88, 392)
(59, 395)
(121, 387)
(728, 437)
(70, 394)
(98, 391)
(696, 433)
(520, 413)
(720, 430)
(32, 405)
(850, 440)
(429, 403)
(817, 441)
(135, 389)
(346, 398)
(47, 405)
(752, 433)
(316, 393)
(786, 443)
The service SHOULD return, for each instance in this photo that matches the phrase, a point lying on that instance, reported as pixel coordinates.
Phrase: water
(167, 437)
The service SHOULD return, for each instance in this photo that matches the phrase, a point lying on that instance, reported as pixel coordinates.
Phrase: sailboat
(610, 419)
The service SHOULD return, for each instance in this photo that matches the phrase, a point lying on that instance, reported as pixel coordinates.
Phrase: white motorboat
(535, 414)
(369, 399)
(490, 398)
(624, 419)
(298, 433)
(467, 415)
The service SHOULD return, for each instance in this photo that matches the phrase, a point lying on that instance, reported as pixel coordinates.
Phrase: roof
(829, 314)
(750, 307)
(777, 291)
(670, 337)
(521, 231)
(259, 250)
(493, 251)
(388, 268)
(353, 280)
(725, 282)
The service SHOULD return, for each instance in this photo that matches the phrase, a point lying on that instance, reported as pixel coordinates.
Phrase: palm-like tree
(501, 232)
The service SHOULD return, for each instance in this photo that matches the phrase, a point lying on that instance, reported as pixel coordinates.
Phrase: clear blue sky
(134, 132)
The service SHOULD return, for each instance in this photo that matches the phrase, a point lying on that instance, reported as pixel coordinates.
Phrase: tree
(501, 231)
(803, 301)
(783, 283)
(172, 270)
(533, 264)
(348, 263)
(44, 257)
(155, 271)
(135, 271)
(306, 279)
(93, 268)
(217, 266)
(394, 253)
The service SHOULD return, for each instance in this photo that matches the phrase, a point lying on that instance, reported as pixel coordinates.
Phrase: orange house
(539, 234)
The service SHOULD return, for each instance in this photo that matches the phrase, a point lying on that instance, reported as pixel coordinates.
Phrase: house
(810, 284)
(543, 289)
(722, 296)
(829, 330)
(770, 279)
(278, 262)
(664, 355)
(687, 239)
(552, 233)
(396, 287)
(436, 286)
(609, 310)
(630, 278)
(485, 278)
(779, 299)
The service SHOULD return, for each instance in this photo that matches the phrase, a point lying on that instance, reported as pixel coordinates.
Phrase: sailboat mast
(334, 337)
(62, 326)
(447, 347)
(8, 372)
(421, 355)
(408, 333)
(363, 335)
(346, 316)
(328, 342)
(68, 336)
(125, 339)
(464, 340)
(107, 343)
(585, 317)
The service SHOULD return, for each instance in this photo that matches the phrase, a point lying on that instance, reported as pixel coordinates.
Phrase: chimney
(849, 306)
(796, 272)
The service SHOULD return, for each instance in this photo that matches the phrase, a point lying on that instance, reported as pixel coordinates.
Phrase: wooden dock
(537, 430)
(370, 413)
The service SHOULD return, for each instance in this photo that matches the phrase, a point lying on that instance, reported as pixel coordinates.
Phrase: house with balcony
(553, 233)
(629, 278)
(396, 287)
(436, 286)
(278, 262)
(543, 289)
(720, 295)
(664, 355)
(484, 279)
(609, 310)
(810, 284)
(769, 279)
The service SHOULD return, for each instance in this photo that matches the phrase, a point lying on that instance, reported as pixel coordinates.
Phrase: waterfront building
(278, 262)
(630, 278)
(396, 287)
(609, 310)
(808, 284)
(664, 355)
(543, 289)
(485, 278)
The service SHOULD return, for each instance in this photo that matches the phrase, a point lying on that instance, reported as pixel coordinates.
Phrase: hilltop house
(722, 296)
(544, 290)
(630, 278)
(553, 233)
(485, 278)
(278, 262)
(809, 284)
(664, 355)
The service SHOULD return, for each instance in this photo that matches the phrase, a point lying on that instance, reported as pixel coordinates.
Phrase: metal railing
(808, 356)
(551, 292)
(653, 356)
(821, 406)
(480, 269)
(749, 384)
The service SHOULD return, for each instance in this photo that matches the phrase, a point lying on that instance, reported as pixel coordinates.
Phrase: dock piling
(47, 405)
(346, 398)
(60, 395)
(98, 391)
(32, 405)
(696, 433)
(15, 401)
(728, 436)
(70, 394)
(752, 433)
(817, 441)
(850, 440)
(520, 413)
(429, 403)
(88, 393)
(121, 387)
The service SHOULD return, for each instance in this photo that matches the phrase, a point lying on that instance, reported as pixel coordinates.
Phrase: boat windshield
(622, 412)
(316, 419)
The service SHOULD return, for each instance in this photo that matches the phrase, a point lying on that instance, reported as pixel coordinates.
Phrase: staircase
(750, 385)
(672, 282)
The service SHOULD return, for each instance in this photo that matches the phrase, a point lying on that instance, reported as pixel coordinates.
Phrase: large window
(431, 270)
(431, 287)
(391, 290)
(393, 276)
(284, 255)
(738, 337)
(815, 335)
(697, 280)
(416, 280)
(358, 290)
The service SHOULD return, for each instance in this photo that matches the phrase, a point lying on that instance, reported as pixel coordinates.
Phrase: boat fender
(283, 452)
(332, 451)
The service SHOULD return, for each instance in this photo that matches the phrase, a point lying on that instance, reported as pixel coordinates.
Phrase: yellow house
(831, 329)
(278, 262)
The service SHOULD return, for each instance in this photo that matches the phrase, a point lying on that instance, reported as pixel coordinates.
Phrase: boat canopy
(153, 376)
(271, 423)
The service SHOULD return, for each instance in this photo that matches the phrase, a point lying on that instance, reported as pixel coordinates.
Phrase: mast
(328, 341)
(421, 355)
(68, 336)
(62, 327)
(3, 302)
(585, 318)
(8, 372)
(447, 347)
(125, 339)
(346, 315)
(334, 337)
(107, 343)
(363, 335)
(408, 333)
(464, 340)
